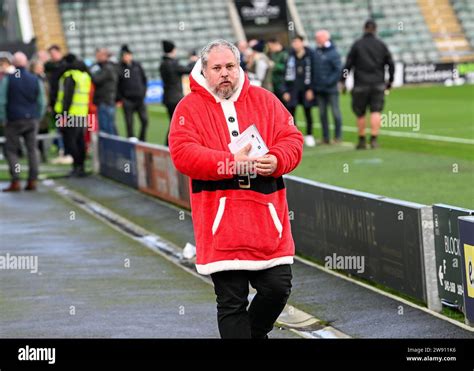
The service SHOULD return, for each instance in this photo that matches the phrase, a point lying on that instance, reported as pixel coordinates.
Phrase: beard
(225, 91)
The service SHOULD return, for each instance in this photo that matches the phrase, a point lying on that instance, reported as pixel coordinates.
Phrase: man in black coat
(171, 72)
(369, 56)
(298, 89)
(105, 78)
(131, 91)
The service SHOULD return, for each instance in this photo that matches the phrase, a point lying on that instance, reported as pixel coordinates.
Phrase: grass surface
(412, 168)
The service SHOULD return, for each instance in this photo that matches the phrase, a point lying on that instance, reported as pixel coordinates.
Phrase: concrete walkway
(350, 308)
(91, 280)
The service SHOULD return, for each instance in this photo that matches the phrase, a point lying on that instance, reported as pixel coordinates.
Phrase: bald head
(322, 36)
(20, 60)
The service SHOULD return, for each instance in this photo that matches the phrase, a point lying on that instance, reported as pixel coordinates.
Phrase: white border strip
(384, 293)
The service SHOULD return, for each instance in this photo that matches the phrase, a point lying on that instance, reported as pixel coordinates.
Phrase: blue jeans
(106, 116)
(332, 99)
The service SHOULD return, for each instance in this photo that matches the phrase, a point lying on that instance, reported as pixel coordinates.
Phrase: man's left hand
(266, 165)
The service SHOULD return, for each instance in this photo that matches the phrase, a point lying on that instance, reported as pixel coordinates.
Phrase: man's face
(127, 58)
(55, 55)
(321, 38)
(242, 46)
(297, 44)
(101, 56)
(222, 72)
(273, 47)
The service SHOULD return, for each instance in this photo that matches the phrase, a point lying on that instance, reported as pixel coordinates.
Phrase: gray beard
(226, 93)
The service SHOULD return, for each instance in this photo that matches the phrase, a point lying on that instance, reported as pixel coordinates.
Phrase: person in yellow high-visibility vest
(72, 111)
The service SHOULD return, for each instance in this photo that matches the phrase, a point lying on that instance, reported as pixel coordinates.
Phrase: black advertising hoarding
(261, 12)
(466, 233)
(448, 253)
(118, 159)
(387, 233)
(420, 73)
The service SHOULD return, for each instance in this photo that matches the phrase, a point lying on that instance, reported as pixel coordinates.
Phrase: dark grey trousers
(14, 130)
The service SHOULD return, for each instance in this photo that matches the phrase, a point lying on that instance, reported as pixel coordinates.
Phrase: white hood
(197, 75)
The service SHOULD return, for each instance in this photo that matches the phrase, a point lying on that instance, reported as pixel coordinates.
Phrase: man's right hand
(286, 97)
(243, 163)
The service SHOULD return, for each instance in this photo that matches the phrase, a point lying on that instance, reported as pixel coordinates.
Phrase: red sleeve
(188, 154)
(287, 141)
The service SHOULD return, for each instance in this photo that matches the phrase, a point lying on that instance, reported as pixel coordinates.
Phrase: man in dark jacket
(131, 91)
(72, 111)
(327, 73)
(53, 69)
(278, 55)
(105, 78)
(368, 57)
(171, 72)
(299, 84)
(22, 103)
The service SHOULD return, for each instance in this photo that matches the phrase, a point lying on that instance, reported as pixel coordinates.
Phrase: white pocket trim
(220, 213)
(275, 218)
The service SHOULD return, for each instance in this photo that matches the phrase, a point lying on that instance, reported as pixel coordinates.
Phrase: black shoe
(77, 172)
(362, 143)
(81, 173)
(373, 142)
(72, 173)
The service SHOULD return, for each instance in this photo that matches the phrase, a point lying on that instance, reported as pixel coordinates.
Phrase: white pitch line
(400, 134)
(389, 133)
(384, 293)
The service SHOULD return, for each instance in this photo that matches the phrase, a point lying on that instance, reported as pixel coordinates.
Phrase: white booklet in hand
(250, 135)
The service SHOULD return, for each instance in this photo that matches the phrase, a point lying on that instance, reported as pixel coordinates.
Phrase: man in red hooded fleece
(239, 207)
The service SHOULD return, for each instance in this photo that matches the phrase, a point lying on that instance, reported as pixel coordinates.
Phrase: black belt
(260, 184)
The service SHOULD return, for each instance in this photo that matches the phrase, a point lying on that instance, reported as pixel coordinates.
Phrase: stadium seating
(465, 12)
(400, 25)
(142, 24)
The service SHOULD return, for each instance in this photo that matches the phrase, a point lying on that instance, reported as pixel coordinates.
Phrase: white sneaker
(309, 141)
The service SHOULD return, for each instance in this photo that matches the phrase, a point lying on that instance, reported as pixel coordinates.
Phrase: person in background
(72, 109)
(299, 84)
(279, 56)
(132, 86)
(243, 47)
(53, 69)
(105, 78)
(327, 73)
(368, 57)
(37, 68)
(259, 66)
(6, 68)
(171, 72)
(22, 104)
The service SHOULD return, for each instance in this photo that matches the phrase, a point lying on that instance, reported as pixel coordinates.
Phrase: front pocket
(245, 224)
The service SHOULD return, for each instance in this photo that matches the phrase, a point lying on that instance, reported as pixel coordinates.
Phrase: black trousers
(170, 107)
(129, 108)
(273, 287)
(75, 145)
(14, 130)
(307, 112)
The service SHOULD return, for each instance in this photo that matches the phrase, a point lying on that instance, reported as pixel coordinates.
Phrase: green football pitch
(427, 156)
